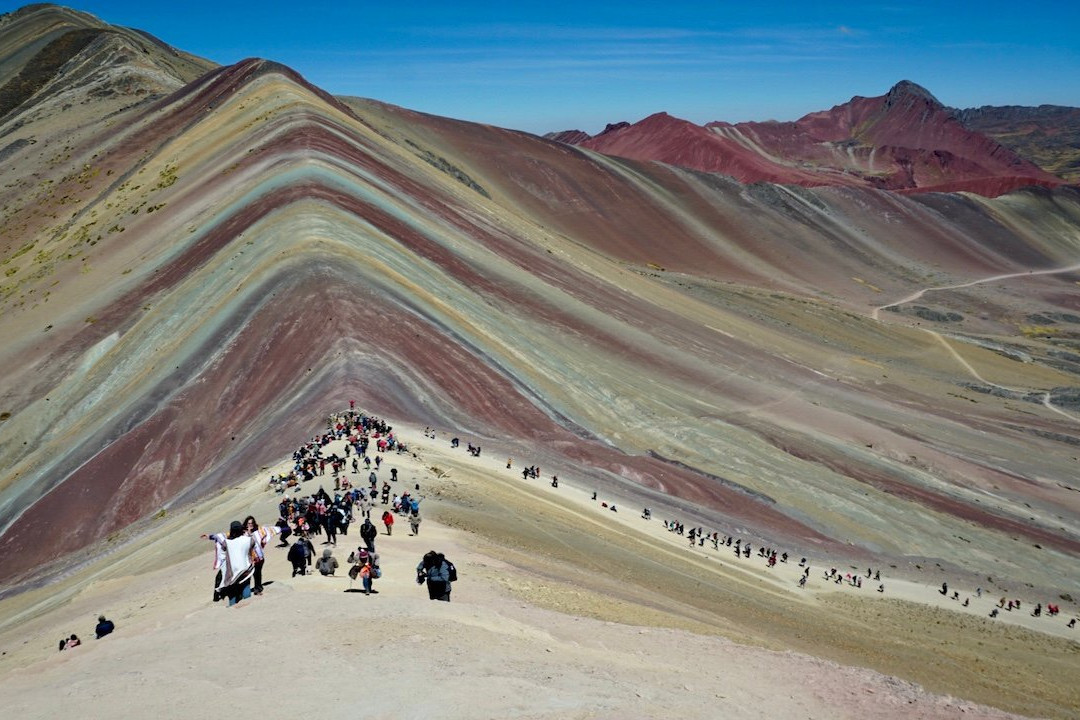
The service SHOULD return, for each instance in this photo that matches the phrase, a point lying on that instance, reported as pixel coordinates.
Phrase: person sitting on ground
(104, 627)
(327, 564)
(72, 641)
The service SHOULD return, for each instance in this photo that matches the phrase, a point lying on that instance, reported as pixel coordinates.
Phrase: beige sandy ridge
(496, 651)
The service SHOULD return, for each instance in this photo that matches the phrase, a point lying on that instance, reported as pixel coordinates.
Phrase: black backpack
(451, 570)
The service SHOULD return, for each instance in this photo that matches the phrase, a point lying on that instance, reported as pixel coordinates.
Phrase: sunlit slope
(189, 281)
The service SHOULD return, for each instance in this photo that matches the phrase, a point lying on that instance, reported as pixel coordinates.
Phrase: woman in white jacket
(234, 555)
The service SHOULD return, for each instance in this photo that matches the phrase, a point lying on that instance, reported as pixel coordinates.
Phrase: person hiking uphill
(368, 533)
(439, 574)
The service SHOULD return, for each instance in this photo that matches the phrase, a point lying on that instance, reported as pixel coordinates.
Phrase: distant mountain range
(1048, 135)
(904, 140)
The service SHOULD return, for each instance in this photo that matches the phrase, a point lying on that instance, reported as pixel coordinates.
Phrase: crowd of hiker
(240, 554)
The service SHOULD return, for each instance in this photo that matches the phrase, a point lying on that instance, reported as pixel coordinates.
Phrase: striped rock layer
(197, 262)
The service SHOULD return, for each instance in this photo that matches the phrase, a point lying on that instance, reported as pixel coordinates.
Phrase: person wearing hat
(366, 567)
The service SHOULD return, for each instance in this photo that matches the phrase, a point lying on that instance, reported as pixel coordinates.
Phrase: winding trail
(1027, 273)
(952, 351)
(975, 374)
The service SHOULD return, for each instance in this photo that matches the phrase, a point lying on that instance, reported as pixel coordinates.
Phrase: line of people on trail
(698, 536)
(1009, 605)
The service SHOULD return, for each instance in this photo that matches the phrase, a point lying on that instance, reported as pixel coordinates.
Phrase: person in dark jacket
(368, 533)
(436, 570)
(300, 555)
(104, 627)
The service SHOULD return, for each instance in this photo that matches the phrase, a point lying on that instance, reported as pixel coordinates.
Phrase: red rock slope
(904, 140)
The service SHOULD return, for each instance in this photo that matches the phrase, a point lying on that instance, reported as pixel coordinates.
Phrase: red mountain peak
(902, 140)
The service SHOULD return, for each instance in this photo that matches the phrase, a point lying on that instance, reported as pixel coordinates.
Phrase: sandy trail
(525, 636)
(952, 351)
(981, 281)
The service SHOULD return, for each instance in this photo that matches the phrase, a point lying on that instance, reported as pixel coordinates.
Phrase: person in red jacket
(388, 521)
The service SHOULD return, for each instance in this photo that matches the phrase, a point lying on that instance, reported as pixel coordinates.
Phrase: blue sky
(562, 65)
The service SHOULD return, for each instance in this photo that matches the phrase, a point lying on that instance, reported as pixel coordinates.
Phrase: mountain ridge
(904, 140)
(1048, 135)
(189, 277)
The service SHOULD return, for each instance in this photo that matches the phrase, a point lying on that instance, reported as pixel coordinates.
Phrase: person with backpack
(439, 573)
(366, 567)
